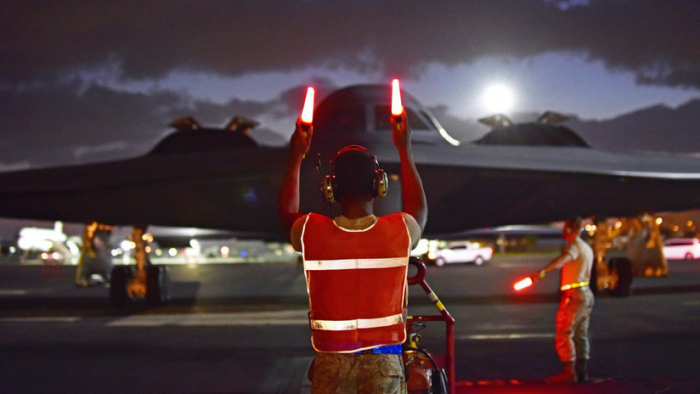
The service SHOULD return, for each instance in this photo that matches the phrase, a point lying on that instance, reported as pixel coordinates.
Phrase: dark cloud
(62, 120)
(72, 123)
(290, 101)
(657, 39)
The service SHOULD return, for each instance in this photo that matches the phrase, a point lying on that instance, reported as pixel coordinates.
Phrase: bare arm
(288, 203)
(553, 265)
(414, 202)
(558, 262)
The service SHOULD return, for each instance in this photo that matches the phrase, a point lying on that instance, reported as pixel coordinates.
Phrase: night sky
(81, 80)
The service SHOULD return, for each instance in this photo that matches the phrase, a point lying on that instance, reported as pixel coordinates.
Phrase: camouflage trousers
(571, 340)
(341, 373)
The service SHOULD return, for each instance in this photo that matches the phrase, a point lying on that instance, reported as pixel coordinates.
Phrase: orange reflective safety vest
(357, 283)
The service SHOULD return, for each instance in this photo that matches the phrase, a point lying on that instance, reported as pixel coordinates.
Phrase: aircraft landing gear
(615, 276)
(127, 287)
(145, 281)
(157, 285)
(121, 275)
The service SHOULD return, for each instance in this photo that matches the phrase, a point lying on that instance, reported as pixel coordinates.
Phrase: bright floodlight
(498, 99)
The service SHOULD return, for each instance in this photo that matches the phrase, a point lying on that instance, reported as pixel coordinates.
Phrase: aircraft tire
(624, 272)
(118, 296)
(594, 280)
(157, 285)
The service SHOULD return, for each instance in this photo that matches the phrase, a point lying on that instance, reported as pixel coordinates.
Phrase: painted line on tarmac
(12, 292)
(479, 337)
(54, 319)
(276, 318)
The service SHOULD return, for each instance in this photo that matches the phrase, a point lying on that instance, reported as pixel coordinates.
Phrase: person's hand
(301, 140)
(401, 131)
(537, 276)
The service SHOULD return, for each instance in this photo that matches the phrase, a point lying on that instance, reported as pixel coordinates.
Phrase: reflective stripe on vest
(574, 285)
(343, 325)
(320, 265)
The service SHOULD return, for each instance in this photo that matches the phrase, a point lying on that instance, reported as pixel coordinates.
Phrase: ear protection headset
(331, 191)
(572, 225)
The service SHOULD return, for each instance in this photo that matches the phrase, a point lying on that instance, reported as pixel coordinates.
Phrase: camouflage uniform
(341, 373)
(571, 339)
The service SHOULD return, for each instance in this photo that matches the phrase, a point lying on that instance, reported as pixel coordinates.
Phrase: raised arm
(288, 204)
(414, 202)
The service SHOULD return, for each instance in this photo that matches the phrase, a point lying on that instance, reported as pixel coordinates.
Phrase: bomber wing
(500, 180)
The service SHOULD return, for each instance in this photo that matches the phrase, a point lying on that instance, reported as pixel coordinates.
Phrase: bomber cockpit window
(382, 121)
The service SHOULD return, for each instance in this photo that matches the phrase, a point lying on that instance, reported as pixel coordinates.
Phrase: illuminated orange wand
(307, 114)
(527, 282)
(396, 105)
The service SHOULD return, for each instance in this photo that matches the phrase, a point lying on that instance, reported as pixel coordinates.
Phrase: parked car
(682, 248)
(52, 257)
(461, 252)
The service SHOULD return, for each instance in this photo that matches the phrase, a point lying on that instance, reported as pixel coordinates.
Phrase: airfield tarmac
(242, 328)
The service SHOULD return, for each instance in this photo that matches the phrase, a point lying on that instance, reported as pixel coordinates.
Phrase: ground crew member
(95, 257)
(576, 304)
(356, 266)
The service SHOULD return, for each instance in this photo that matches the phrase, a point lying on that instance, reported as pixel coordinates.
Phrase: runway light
(127, 245)
(527, 282)
(396, 105)
(307, 113)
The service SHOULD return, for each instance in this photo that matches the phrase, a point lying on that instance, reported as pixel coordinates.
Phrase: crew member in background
(575, 306)
(95, 256)
(356, 266)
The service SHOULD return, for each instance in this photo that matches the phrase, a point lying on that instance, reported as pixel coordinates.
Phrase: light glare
(307, 114)
(396, 104)
(527, 282)
(499, 99)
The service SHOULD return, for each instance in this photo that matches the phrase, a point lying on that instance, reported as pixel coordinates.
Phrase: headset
(380, 184)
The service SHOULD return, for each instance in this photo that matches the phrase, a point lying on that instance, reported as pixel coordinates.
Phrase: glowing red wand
(527, 282)
(396, 105)
(307, 114)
